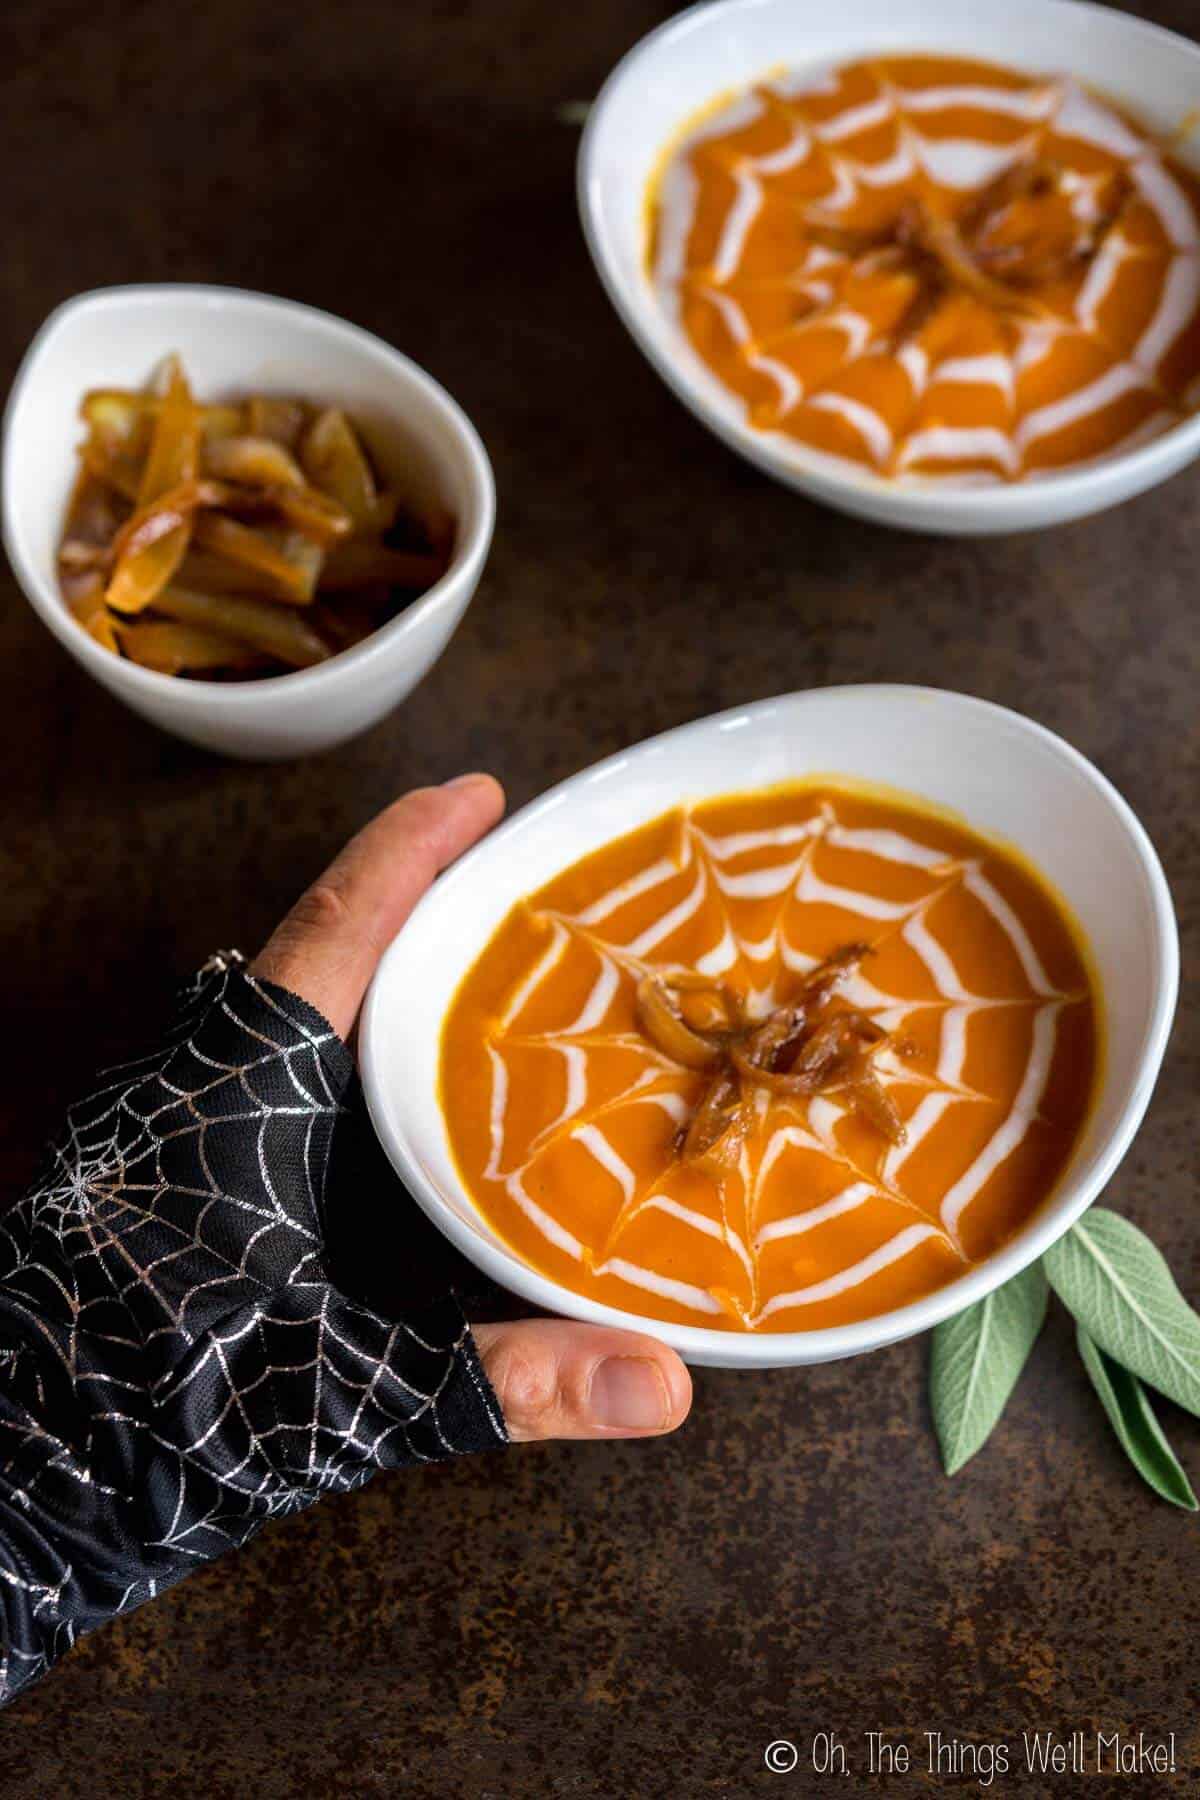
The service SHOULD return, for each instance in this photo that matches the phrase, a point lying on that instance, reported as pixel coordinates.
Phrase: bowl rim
(196, 695)
(731, 1349)
(1139, 466)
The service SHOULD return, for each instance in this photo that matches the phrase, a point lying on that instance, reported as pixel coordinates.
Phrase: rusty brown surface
(617, 1620)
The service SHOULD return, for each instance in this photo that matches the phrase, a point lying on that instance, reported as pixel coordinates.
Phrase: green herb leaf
(976, 1359)
(1132, 1418)
(1121, 1291)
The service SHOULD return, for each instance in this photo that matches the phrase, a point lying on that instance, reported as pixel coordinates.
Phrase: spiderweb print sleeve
(176, 1365)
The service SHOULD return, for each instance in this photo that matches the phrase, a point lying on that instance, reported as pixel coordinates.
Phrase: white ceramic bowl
(724, 46)
(1010, 779)
(232, 342)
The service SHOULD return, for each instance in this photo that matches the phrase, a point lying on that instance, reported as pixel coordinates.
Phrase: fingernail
(461, 781)
(628, 1393)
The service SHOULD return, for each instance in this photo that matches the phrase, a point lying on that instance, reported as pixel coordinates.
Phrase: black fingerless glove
(180, 1357)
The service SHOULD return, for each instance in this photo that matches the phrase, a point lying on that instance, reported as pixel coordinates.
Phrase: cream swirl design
(771, 250)
(565, 1118)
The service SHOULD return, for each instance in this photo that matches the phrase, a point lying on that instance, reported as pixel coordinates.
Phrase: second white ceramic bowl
(1008, 777)
(234, 342)
(718, 48)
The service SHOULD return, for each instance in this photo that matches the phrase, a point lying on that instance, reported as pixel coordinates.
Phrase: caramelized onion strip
(149, 555)
(658, 1017)
(758, 1075)
(258, 462)
(718, 1128)
(870, 1098)
(286, 564)
(281, 632)
(835, 967)
(168, 647)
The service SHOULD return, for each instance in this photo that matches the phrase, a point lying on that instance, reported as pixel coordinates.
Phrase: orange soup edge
(776, 1060)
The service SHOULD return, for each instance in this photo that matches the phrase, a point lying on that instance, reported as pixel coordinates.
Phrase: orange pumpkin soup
(936, 267)
(781, 1060)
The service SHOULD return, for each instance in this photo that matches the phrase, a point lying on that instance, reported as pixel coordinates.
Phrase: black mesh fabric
(198, 1326)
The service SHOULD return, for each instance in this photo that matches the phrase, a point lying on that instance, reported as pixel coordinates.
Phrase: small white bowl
(235, 342)
(1011, 780)
(722, 47)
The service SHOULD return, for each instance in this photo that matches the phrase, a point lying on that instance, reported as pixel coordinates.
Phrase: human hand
(554, 1378)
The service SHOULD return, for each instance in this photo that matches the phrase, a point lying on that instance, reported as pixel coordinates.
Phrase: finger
(327, 947)
(558, 1379)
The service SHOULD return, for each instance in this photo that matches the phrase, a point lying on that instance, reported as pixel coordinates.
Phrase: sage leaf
(1121, 1291)
(976, 1359)
(1132, 1417)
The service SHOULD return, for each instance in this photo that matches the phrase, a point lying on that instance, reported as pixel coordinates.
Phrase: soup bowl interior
(716, 50)
(233, 343)
(1009, 779)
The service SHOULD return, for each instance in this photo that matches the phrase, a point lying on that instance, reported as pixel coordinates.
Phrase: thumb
(555, 1378)
(327, 947)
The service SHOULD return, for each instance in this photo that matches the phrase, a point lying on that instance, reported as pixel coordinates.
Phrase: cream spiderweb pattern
(728, 907)
(175, 1365)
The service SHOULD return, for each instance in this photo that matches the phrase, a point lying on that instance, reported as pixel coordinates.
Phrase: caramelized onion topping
(196, 535)
(798, 1050)
(1021, 232)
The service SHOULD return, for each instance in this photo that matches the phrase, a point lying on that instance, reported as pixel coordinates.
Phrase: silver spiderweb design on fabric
(175, 1365)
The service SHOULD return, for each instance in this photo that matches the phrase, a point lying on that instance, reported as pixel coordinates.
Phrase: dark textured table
(602, 1620)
